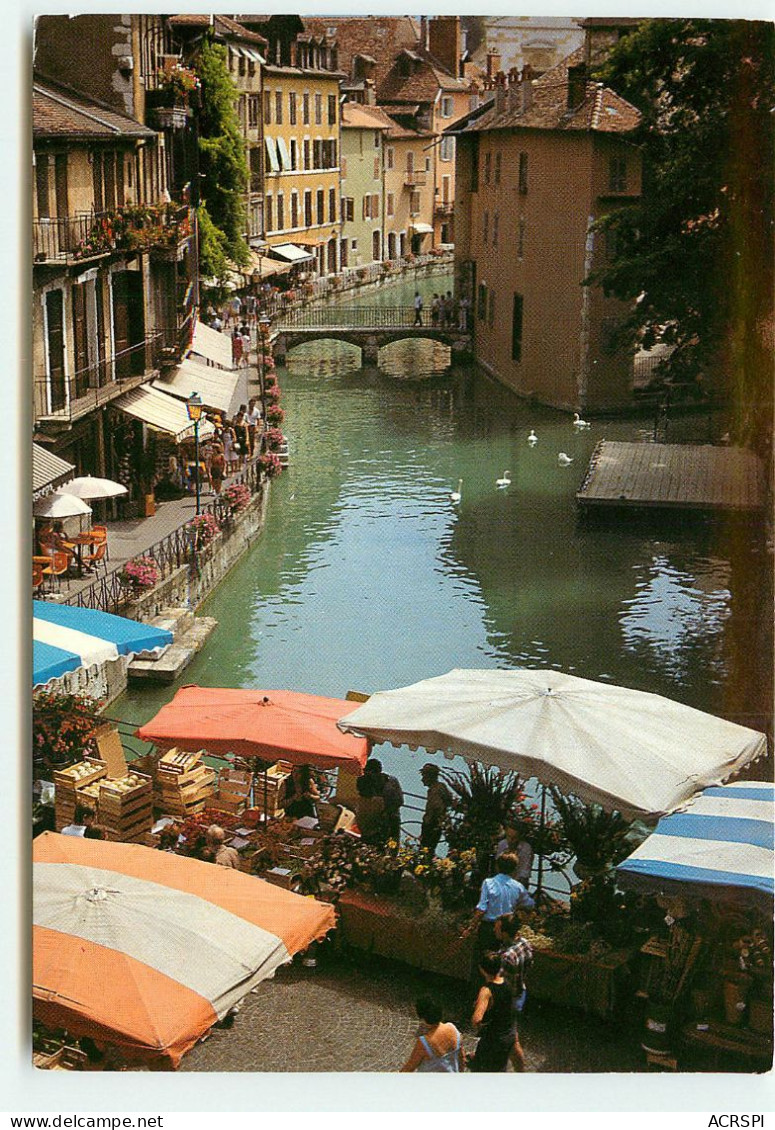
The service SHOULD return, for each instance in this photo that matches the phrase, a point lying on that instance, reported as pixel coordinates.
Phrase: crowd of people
(447, 311)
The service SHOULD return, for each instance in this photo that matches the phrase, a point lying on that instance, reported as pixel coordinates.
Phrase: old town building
(363, 183)
(535, 171)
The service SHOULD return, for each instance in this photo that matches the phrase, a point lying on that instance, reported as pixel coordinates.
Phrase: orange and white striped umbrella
(147, 950)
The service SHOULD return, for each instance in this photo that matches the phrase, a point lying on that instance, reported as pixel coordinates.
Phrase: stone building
(535, 170)
(499, 43)
(362, 183)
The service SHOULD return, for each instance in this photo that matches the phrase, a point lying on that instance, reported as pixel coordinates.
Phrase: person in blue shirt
(501, 894)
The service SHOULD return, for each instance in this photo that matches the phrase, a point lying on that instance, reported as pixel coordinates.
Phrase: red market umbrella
(269, 724)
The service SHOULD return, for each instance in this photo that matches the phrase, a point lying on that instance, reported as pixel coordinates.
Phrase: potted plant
(205, 527)
(598, 839)
(238, 496)
(62, 725)
(482, 799)
(269, 464)
(274, 439)
(140, 574)
(275, 415)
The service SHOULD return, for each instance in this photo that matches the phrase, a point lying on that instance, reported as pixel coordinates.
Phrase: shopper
(516, 955)
(435, 310)
(253, 419)
(440, 1048)
(501, 894)
(515, 840)
(217, 468)
(417, 308)
(370, 811)
(236, 348)
(301, 793)
(392, 795)
(437, 802)
(493, 1017)
(240, 425)
(217, 850)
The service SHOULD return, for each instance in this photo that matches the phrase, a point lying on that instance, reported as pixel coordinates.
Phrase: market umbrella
(146, 949)
(65, 638)
(88, 486)
(720, 847)
(624, 749)
(60, 504)
(269, 724)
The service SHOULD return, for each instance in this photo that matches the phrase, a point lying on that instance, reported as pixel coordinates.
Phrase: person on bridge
(417, 308)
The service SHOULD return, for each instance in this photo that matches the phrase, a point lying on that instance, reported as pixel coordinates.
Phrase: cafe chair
(59, 563)
(37, 575)
(100, 534)
(93, 560)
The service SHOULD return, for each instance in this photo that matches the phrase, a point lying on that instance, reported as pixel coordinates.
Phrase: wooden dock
(672, 476)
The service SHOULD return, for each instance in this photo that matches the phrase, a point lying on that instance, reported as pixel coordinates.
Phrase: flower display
(205, 527)
(140, 573)
(275, 415)
(62, 725)
(269, 464)
(272, 394)
(274, 439)
(179, 80)
(238, 496)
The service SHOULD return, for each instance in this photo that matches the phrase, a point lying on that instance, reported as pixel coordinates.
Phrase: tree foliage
(694, 255)
(223, 165)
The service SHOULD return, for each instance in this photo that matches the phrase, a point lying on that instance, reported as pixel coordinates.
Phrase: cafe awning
(291, 253)
(212, 344)
(265, 267)
(422, 229)
(161, 411)
(215, 386)
(48, 471)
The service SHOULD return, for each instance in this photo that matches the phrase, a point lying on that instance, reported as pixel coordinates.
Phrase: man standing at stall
(392, 795)
(437, 802)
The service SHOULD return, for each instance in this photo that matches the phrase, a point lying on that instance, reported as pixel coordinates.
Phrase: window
(267, 108)
(377, 168)
(332, 109)
(410, 161)
(498, 160)
(495, 224)
(60, 181)
(318, 109)
(487, 167)
(256, 171)
(294, 154)
(523, 173)
(427, 164)
(447, 106)
(481, 305)
(306, 153)
(307, 208)
(332, 205)
(376, 245)
(305, 109)
(377, 139)
(491, 310)
(321, 206)
(317, 154)
(280, 211)
(348, 209)
(391, 211)
(55, 340)
(485, 227)
(41, 183)
(390, 154)
(521, 238)
(268, 212)
(414, 203)
(241, 64)
(445, 189)
(447, 149)
(516, 329)
(294, 209)
(278, 107)
(617, 174)
(292, 108)
(253, 109)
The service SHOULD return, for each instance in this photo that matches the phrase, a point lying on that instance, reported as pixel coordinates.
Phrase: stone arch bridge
(368, 327)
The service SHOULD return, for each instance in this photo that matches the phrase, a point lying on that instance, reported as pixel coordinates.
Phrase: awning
(271, 153)
(215, 386)
(66, 638)
(163, 412)
(291, 253)
(720, 847)
(147, 950)
(48, 471)
(421, 229)
(263, 266)
(212, 344)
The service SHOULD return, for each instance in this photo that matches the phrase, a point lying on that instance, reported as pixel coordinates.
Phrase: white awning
(215, 386)
(291, 253)
(422, 229)
(262, 266)
(212, 344)
(161, 411)
(285, 157)
(48, 471)
(271, 153)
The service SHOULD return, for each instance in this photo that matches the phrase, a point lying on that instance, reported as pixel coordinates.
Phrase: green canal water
(369, 576)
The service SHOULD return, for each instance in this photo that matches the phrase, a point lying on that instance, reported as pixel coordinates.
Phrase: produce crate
(284, 877)
(233, 791)
(269, 789)
(176, 762)
(182, 783)
(126, 806)
(68, 786)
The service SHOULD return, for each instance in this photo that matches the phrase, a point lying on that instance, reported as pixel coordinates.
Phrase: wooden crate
(185, 793)
(68, 784)
(179, 763)
(233, 793)
(269, 789)
(125, 810)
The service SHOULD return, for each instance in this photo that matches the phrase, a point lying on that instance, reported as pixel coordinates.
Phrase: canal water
(369, 576)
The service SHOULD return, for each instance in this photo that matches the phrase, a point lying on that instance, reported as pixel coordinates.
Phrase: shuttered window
(56, 349)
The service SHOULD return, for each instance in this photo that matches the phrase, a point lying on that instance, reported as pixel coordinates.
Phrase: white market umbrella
(61, 504)
(90, 487)
(624, 749)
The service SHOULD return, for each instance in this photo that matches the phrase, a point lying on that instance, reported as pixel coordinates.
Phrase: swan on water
(564, 460)
(578, 422)
(505, 481)
(456, 495)
(532, 438)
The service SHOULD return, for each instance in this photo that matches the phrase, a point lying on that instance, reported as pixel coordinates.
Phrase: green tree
(223, 165)
(694, 255)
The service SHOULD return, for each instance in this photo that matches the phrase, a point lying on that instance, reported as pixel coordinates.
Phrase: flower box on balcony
(172, 117)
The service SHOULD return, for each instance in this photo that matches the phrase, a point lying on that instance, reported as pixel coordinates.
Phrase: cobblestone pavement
(357, 1014)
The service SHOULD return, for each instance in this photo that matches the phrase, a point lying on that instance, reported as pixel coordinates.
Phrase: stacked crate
(126, 806)
(183, 784)
(269, 789)
(233, 791)
(69, 789)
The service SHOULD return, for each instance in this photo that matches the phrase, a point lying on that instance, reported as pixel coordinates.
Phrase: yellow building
(408, 191)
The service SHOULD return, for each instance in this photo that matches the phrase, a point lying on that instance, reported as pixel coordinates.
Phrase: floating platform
(191, 634)
(673, 477)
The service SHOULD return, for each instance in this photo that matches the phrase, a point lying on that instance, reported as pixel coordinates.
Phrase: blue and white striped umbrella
(719, 847)
(66, 638)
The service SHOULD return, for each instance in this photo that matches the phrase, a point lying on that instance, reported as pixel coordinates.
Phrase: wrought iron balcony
(90, 235)
(415, 180)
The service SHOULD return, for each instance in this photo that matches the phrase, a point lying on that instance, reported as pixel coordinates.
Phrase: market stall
(144, 950)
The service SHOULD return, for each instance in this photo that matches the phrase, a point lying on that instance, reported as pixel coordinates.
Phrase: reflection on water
(369, 576)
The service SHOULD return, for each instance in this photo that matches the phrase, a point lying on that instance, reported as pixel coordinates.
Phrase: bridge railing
(348, 317)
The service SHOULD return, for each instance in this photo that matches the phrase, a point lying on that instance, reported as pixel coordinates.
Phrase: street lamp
(264, 324)
(194, 408)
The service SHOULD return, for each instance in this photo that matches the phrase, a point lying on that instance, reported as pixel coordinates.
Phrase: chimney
(493, 63)
(513, 99)
(444, 42)
(423, 33)
(369, 93)
(526, 87)
(500, 92)
(577, 85)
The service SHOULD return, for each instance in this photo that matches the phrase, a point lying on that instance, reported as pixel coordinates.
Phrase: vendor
(437, 802)
(217, 850)
(515, 840)
(301, 793)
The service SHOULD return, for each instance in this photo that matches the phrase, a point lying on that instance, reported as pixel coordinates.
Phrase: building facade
(534, 173)
(363, 183)
(408, 191)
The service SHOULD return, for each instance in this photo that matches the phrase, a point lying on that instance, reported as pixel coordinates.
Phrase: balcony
(444, 207)
(415, 180)
(62, 400)
(91, 235)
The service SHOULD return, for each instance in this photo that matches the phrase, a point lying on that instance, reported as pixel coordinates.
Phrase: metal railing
(68, 398)
(347, 317)
(88, 235)
(415, 180)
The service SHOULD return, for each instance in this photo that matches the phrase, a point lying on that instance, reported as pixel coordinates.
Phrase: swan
(564, 460)
(579, 423)
(532, 438)
(505, 481)
(456, 495)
